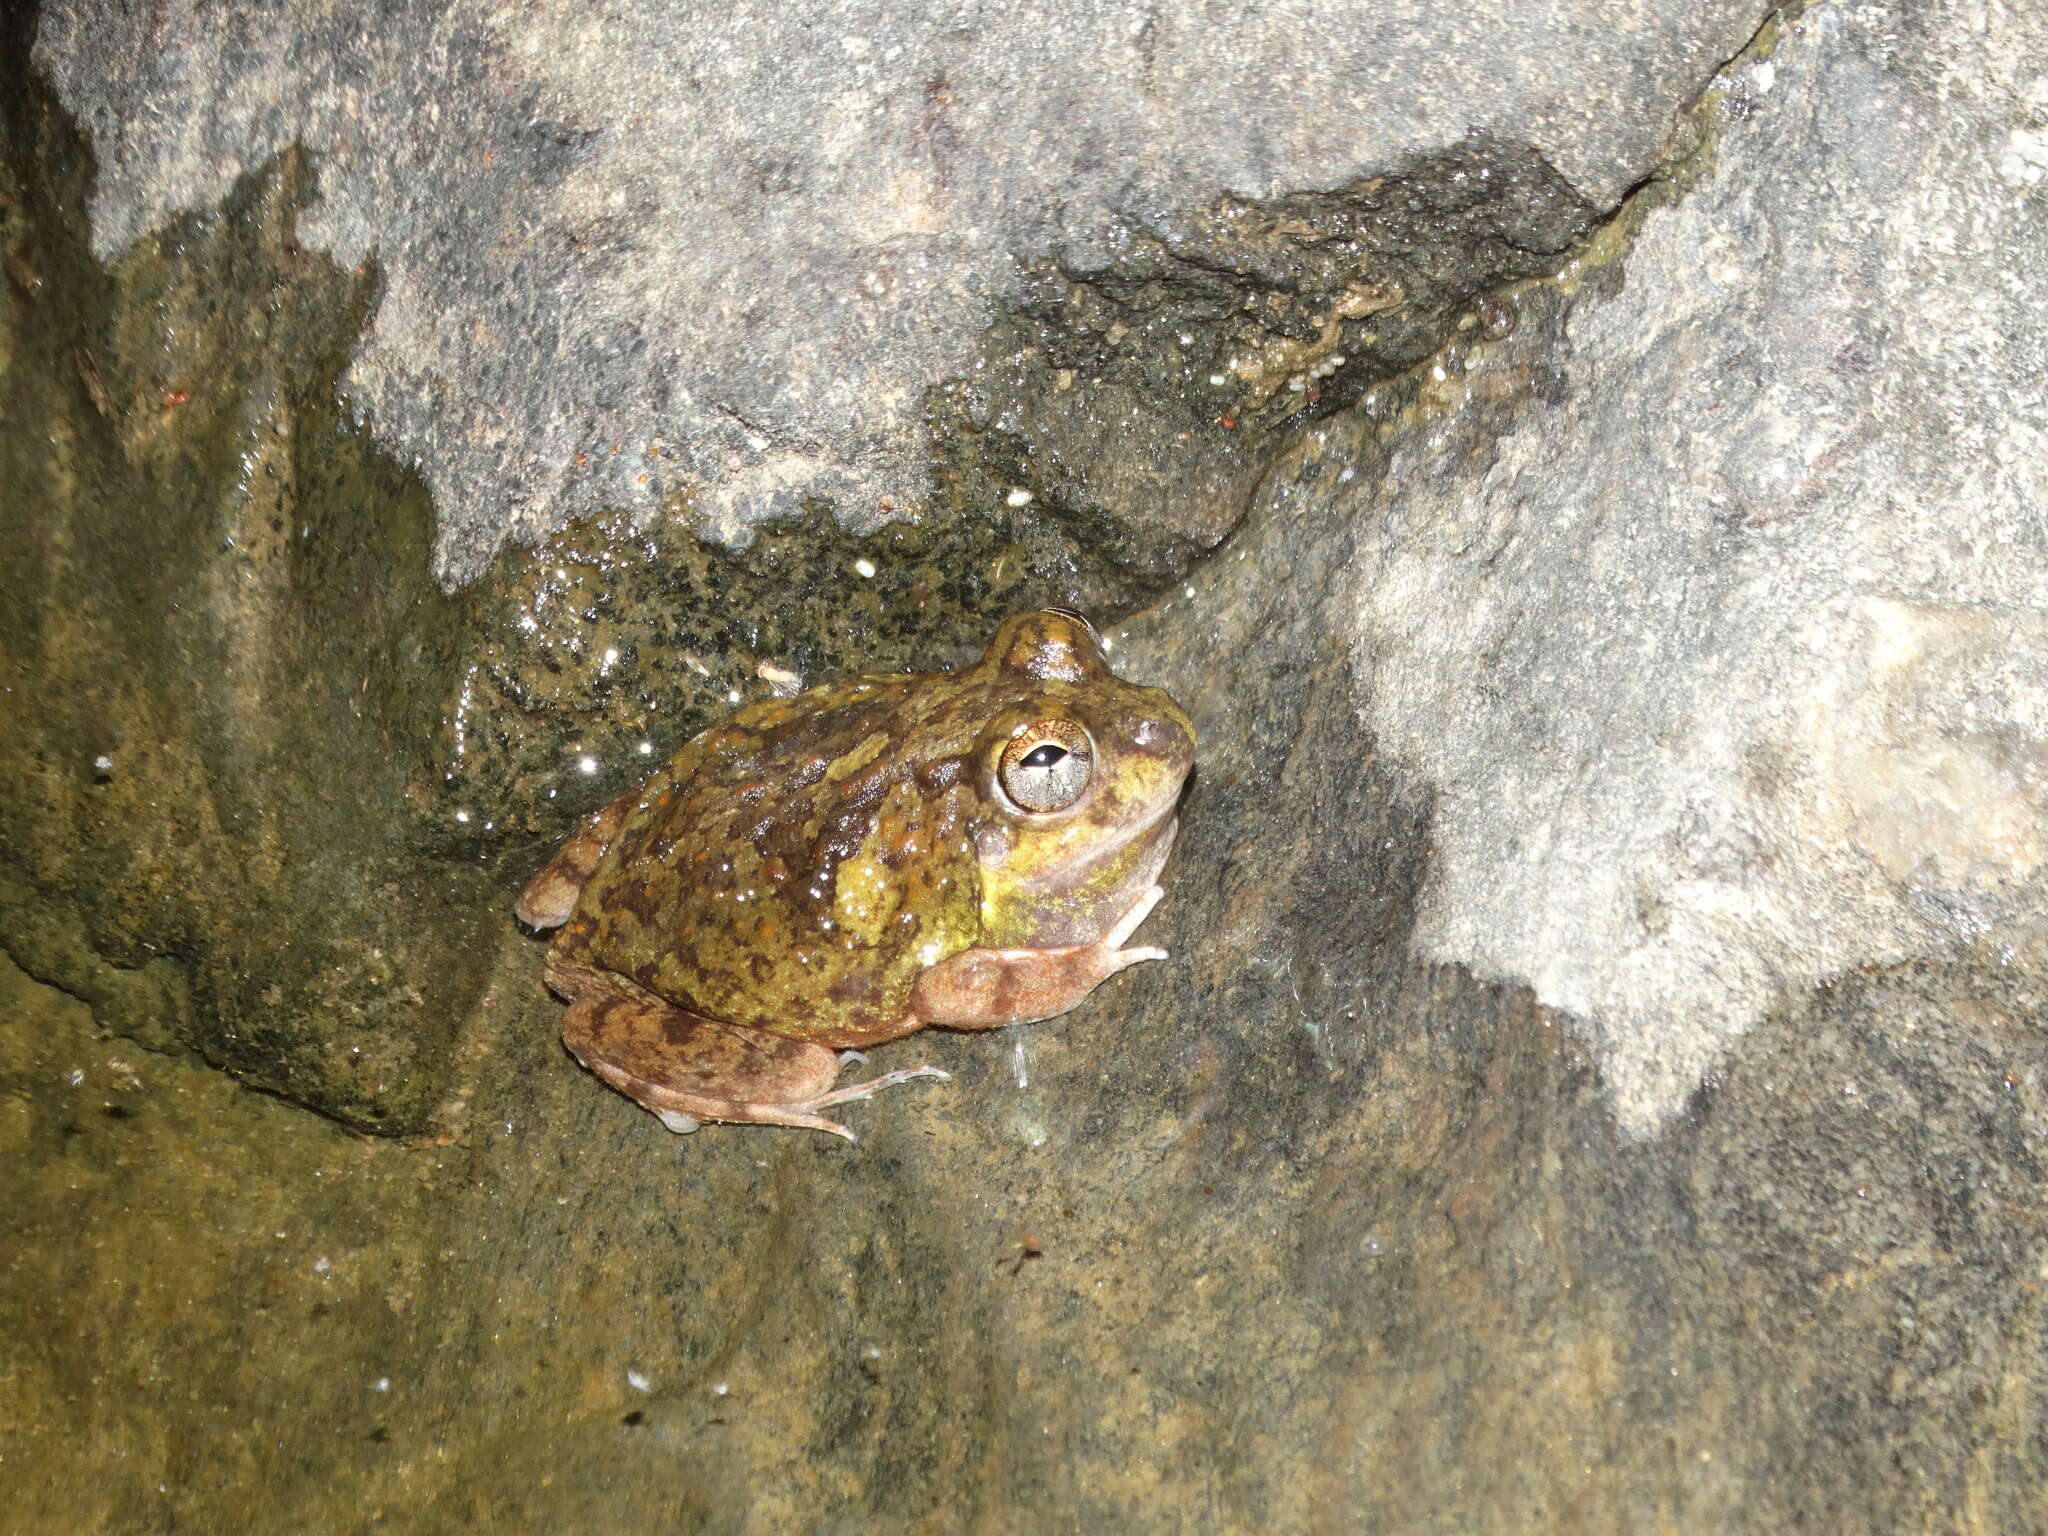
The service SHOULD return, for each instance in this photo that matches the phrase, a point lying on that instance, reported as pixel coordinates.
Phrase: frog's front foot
(987, 988)
(1112, 942)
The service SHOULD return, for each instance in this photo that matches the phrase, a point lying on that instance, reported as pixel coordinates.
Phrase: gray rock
(1728, 672)
(706, 261)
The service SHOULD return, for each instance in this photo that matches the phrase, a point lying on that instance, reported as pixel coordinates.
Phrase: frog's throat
(1158, 825)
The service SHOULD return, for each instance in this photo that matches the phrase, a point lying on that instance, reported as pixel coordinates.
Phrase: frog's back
(798, 865)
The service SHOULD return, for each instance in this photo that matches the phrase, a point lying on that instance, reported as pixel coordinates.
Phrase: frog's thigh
(681, 1065)
(549, 897)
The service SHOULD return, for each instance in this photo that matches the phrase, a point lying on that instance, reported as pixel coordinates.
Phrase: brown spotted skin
(669, 1059)
(795, 873)
(550, 896)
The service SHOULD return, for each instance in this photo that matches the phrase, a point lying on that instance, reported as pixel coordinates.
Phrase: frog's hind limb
(684, 1068)
(549, 897)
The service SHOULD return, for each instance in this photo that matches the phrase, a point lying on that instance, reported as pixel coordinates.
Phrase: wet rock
(1725, 664)
(1598, 1081)
(224, 660)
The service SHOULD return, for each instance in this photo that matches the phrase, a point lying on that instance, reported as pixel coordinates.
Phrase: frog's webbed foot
(684, 1068)
(874, 1085)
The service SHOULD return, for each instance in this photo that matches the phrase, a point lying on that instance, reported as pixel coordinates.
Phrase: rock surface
(1599, 1083)
(1727, 669)
(711, 260)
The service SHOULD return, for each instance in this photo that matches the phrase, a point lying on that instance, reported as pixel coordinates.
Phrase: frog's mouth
(1074, 898)
(1083, 899)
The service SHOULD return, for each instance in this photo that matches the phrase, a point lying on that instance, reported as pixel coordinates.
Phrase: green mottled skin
(797, 867)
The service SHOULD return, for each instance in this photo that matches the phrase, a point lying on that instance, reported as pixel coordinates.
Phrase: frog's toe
(875, 1085)
(794, 1115)
(1128, 923)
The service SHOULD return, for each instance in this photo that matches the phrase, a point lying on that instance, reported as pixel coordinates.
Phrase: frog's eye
(1046, 765)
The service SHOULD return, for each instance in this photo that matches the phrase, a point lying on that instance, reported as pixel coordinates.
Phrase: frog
(825, 872)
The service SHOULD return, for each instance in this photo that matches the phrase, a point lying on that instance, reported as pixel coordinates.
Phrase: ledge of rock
(1599, 1080)
(710, 263)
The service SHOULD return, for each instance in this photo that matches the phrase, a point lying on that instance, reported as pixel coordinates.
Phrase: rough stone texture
(205, 831)
(1729, 670)
(636, 253)
(1332, 1222)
